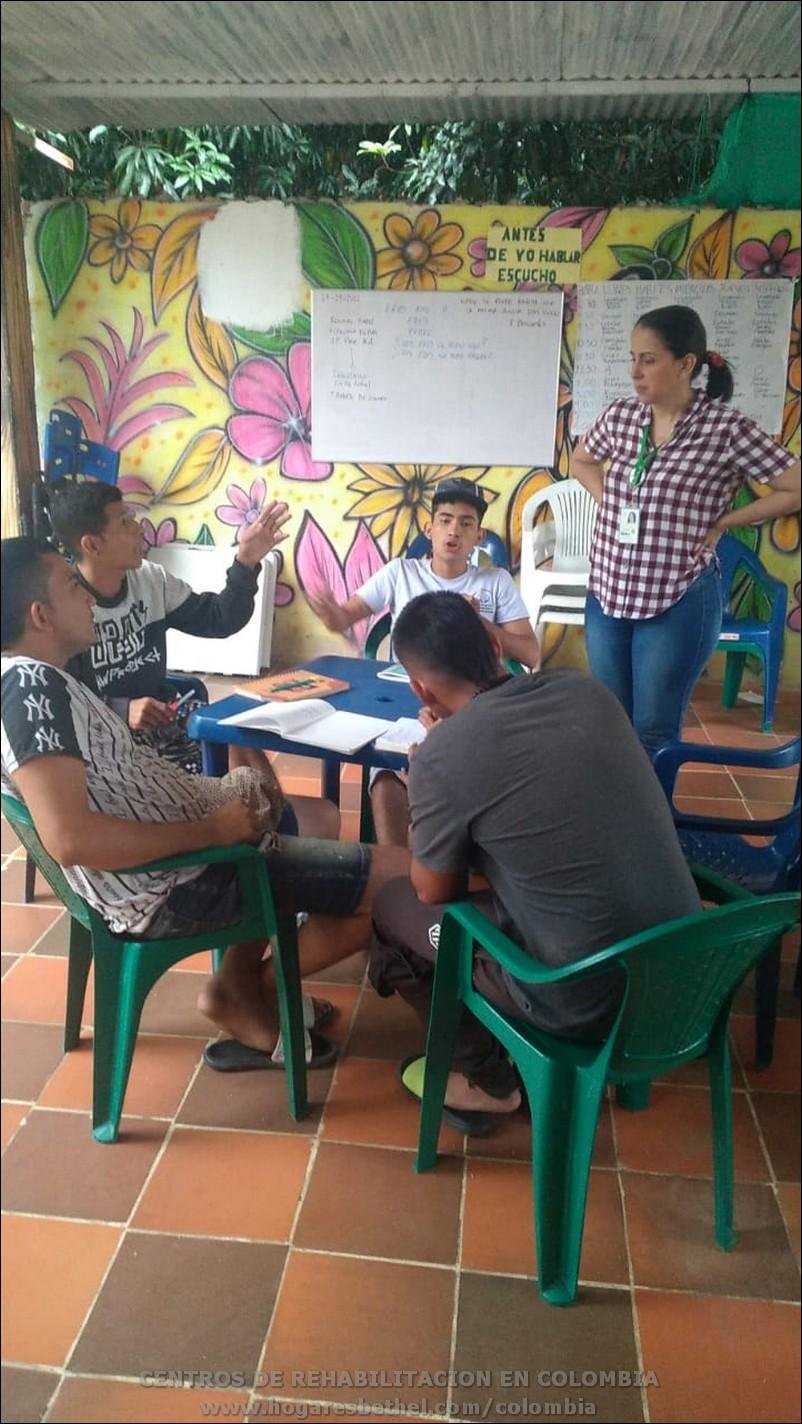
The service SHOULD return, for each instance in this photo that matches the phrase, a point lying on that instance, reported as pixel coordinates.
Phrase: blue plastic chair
(718, 844)
(69, 452)
(742, 636)
(62, 437)
(98, 462)
(491, 546)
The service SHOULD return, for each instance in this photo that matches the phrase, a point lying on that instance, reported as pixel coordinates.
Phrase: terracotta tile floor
(220, 1239)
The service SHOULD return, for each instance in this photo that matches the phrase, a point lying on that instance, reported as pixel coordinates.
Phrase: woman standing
(664, 468)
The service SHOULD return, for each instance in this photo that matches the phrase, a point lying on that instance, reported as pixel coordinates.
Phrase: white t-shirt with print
(401, 580)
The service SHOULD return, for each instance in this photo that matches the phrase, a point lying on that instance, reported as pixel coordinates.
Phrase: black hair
(78, 508)
(452, 494)
(443, 633)
(682, 331)
(24, 577)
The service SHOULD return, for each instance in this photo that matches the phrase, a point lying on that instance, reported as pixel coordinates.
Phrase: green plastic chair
(680, 981)
(127, 969)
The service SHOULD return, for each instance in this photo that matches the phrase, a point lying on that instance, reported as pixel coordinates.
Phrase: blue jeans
(652, 664)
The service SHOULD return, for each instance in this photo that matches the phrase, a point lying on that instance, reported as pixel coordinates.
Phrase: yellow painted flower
(419, 254)
(122, 241)
(398, 498)
(785, 530)
(532, 482)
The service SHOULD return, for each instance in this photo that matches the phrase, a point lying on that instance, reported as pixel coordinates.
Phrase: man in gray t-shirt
(538, 785)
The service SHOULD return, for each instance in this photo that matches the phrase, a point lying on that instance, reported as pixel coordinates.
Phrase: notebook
(401, 735)
(314, 722)
(293, 685)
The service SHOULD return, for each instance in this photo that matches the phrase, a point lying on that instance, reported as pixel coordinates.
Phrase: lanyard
(645, 459)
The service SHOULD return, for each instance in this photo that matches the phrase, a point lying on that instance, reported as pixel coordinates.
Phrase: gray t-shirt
(541, 785)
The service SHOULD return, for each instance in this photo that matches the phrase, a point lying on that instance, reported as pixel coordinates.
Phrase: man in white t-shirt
(455, 531)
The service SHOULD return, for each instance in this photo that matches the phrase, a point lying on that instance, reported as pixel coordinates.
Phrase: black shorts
(319, 877)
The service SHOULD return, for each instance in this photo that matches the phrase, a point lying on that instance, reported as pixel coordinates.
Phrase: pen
(185, 698)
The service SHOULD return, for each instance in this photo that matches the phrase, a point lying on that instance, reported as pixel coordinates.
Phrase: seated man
(540, 785)
(455, 531)
(100, 802)
(135, 602)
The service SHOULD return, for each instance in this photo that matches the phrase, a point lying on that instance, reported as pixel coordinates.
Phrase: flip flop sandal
(228, 1055)
(472, 1124)
(317, 1012)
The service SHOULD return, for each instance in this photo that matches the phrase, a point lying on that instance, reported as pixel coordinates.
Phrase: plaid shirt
(688, 487)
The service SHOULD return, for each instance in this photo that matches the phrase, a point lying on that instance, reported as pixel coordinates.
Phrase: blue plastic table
(368, 694)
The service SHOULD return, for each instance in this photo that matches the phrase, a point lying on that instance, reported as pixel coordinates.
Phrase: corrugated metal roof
(73, 63)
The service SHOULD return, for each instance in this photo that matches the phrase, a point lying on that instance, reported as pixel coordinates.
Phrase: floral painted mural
(209, 419)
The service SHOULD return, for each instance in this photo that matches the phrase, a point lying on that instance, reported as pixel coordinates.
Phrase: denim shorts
(319, 877)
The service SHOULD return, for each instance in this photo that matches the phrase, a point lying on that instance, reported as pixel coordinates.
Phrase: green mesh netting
(759, 156)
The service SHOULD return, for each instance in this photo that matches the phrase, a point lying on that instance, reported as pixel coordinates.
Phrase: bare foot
(250, 1023)
(466, 1097)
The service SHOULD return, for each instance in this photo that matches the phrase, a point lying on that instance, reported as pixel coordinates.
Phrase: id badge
(629, 525)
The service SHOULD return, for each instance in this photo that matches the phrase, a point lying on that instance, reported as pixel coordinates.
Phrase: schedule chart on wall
(749, 323)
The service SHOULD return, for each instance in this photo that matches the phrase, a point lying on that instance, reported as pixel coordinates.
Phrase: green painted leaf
(627, 256)
(674, 240)
(335, 249)
(204, 535)
(278, 341)
(61, 239)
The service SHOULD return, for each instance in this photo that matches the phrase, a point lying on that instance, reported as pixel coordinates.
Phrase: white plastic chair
(557, 594)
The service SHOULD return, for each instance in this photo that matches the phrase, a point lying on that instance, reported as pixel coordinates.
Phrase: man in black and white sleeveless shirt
(101, 803)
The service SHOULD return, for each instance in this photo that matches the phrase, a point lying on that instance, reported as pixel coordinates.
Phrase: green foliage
(616, 162)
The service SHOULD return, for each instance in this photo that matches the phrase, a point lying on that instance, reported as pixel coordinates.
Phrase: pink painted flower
(758, 259)
(478, 251)
(153, 538)
(795, 616)
(321, 574)
(130, 485)
(570, 294)
(276, 418)
(244, 508)
(285, 593)
(590, 220)
(570, 299)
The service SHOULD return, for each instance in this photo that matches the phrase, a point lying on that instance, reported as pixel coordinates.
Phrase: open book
(313, 722)
(401, 735)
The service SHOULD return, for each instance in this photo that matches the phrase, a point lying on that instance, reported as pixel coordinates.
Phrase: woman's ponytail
(719, 377)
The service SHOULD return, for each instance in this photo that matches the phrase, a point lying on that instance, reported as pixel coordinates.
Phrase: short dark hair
(78, 508)
(443, 633)
(24, 577)
(682, 330)
(459, 491)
